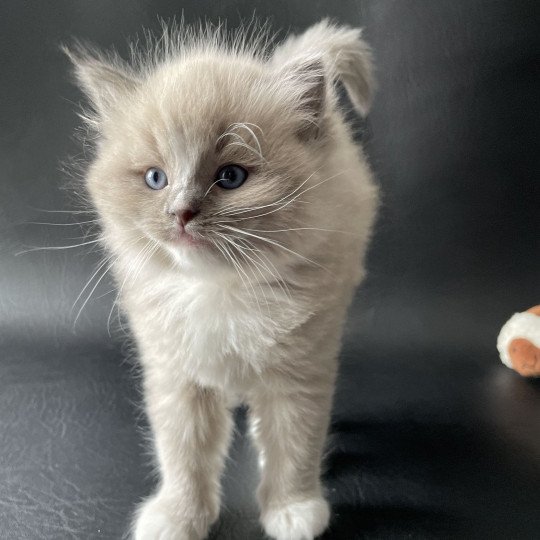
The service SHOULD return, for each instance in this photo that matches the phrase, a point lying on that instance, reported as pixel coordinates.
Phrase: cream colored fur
(256, 316)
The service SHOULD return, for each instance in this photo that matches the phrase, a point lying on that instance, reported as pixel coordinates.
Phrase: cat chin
(197, 258)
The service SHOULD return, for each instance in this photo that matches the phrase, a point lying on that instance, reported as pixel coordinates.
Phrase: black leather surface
(432, 437)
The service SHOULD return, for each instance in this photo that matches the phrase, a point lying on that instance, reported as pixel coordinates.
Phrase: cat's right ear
(105, 80)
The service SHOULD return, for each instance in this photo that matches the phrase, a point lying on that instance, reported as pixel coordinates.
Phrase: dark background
(432, 437)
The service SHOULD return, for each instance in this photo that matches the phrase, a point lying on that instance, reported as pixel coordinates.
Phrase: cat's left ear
(309, 64)
(303, 79)
(105, 80)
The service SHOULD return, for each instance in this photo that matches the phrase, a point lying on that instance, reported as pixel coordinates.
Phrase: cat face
(201, 160)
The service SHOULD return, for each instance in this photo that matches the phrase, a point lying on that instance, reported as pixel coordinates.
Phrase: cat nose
(183, 217)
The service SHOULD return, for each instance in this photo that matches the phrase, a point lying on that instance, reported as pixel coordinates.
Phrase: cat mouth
(187, 239)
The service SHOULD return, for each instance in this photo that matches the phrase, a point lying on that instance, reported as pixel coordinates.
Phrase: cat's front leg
(289, 428)
(191, 427)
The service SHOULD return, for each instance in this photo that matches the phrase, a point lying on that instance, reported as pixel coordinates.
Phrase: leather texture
(432, 437)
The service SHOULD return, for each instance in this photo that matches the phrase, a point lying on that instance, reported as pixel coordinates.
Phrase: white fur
(303, 520)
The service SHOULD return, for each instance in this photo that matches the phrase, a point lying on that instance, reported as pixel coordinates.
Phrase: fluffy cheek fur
(255, 312)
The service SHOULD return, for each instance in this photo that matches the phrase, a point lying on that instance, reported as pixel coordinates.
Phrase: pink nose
(183, 217)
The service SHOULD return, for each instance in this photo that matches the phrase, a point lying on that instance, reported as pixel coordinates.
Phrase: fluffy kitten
(237, 211)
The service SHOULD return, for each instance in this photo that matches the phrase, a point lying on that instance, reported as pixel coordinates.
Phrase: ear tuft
(306, 79)
(345, 56)
(103, 79)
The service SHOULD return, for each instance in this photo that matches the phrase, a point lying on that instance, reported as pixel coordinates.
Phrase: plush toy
(519, 342)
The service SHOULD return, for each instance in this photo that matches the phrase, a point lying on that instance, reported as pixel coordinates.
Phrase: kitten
(236, 210)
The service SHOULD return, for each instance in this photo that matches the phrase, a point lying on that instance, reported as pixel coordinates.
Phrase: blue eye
(155, 178)
(231, 176)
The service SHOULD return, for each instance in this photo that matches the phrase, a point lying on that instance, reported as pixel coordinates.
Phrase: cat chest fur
(216, 334)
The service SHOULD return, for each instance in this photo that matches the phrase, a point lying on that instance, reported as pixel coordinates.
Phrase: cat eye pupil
(231, 176)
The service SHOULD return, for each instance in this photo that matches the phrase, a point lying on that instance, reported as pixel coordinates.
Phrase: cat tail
(344, 54)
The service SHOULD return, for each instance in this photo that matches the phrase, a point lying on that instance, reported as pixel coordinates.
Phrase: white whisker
(60, 224)
(246, 127)
(279, 201)
(239, 270)
(290, 201)
(277, 275)
(92, 292)
(300, 229)
(248, 259)
(64, 211)
(149, 247)
(53, 248)
(107, 259)
(211, 186)
(244, 145)
(273, 242)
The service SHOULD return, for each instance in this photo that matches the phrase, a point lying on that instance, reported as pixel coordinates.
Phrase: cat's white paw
(156, 521)
(301, 520)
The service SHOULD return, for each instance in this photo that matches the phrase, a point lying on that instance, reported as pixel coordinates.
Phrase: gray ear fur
(345, 56)
(103, 79)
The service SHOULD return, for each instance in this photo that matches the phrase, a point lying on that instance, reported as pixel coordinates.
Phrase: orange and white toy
(519, 342)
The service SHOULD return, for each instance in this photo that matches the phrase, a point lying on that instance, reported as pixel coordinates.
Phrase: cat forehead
(204, 88)
(193, 104)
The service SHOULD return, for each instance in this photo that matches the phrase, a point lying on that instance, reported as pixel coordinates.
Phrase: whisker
(290, 201)
(105, 294)
(239, 266)
(230, 132)
(53, 248)
(254, 125)
(247, 259)
(279, 278)
(60, 224)
(140, 256)
(92, 292)
(273, 242)
(85, 236)
(244, 145)
(259, 266)
(230, 214)
(148, 254)
(64, 211)
(282, 198)
(107, 259)
(211, 186)
(245, 125)
(228, 257)
(301, 229)
(239, 270)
